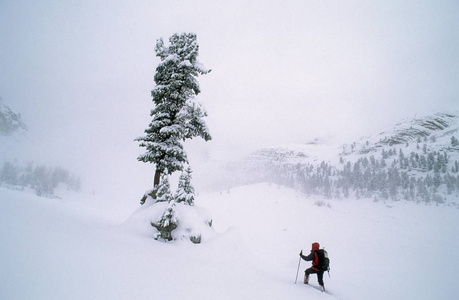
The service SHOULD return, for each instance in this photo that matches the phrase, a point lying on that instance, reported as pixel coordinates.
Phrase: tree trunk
(156, 182)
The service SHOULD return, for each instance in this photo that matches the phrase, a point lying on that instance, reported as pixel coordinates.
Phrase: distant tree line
(42, 179)
(414, 177)
(422, 176)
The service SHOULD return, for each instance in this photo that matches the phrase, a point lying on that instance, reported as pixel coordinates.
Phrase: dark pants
(320, 275)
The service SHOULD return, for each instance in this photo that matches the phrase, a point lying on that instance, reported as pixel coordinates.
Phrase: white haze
(81, 72)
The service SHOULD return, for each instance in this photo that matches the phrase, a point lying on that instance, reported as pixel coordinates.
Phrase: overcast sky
(81, 72)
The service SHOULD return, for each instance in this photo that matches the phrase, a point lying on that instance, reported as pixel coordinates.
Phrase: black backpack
(324, 261)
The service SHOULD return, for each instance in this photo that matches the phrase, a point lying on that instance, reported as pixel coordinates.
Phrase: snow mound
(193, 222)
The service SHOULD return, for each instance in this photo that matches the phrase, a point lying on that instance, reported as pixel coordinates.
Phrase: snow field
(70, 249)
(52, 250)
(395, 250)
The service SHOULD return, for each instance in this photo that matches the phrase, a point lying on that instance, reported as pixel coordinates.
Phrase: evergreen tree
(176, 116)
(383, 162)
(185, 191)
(9, 173)
(384, 154)
(422, 192)
(412, 187)
(454, 141)
(437, 181)
(430, 161)
(449, 180)
(42, 181)
(167, 223)
(163, 190)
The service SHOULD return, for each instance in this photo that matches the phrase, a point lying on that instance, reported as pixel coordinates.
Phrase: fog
(80, 73)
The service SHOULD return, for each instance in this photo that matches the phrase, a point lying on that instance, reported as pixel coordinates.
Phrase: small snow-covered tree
(454, 141)
(176, 116)
(163, 190)
(185, 191)
(167, 223)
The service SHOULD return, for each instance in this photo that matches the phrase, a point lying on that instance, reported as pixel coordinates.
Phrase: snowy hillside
(12, 132)
(10, 121)
(18, 170)
(415, 160)
(433, 131)
(79, 247)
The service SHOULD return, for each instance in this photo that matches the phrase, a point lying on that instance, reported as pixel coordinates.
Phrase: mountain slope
(434, 130)
(416, 160)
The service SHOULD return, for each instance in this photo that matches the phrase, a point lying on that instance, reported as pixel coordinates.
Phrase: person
(314, 269)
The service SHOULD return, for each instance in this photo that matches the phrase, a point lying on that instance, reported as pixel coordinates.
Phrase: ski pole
(299, 261)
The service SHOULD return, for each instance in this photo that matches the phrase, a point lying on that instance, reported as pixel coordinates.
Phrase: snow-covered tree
(163, 190)
(176, 115)
(454, 141)
(167, 223)
(185, 191)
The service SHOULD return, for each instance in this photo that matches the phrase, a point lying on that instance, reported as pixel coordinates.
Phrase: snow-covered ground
(79, 247)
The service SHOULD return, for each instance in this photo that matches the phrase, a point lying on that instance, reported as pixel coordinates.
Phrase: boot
(323, 287)
(306, 278)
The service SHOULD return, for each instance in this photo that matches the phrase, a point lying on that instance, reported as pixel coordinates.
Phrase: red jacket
(313, 256)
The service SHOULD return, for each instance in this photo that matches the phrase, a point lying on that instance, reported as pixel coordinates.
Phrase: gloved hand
(301, 253)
